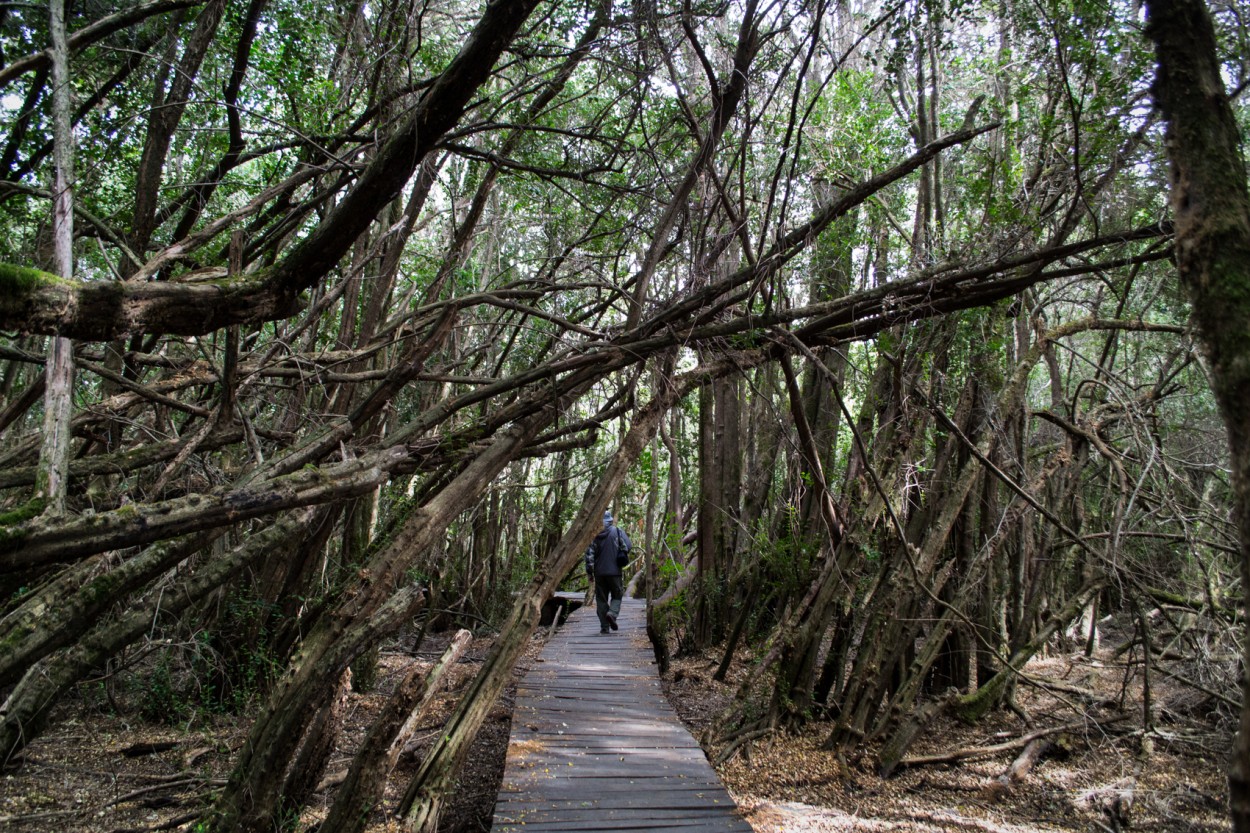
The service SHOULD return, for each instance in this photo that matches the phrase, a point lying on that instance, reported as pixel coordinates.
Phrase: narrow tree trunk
(319, 741)
(675, 525)
(739, 625)
(709, 519)
(361, 792)
(52, 477)
(358, 522)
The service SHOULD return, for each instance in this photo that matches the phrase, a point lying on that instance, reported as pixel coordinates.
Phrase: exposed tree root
(973, 752)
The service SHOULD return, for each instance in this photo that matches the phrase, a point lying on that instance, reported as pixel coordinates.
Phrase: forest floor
(1101, 774)
(105, 767)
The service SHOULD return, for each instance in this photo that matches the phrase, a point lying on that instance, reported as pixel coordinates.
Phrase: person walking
(607, 554)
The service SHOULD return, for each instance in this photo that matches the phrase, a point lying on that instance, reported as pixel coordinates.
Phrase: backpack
(622, 548)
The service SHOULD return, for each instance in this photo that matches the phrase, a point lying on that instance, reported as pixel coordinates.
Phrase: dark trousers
(609, 590)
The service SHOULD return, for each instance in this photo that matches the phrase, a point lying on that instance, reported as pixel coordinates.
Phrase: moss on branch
(12, 523)
(19, 281)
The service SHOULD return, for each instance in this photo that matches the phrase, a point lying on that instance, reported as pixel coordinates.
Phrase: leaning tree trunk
(23, 713)
(59, 613)
(1212, 214)
(372, 607)
(319, 742)
(422, 802)
(362, 790)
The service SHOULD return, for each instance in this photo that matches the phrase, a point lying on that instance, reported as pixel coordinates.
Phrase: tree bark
(379, 751)
(24, 711)
(319, 741)
(97, 311)
(50, 482)
(711, 522)
(1211, 207)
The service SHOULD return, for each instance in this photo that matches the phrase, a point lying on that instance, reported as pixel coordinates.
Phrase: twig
(51, 814)
(743, 738)
(169, 824)
(155, 788)
(1223, 698)
(1048, 684)
(987, 751)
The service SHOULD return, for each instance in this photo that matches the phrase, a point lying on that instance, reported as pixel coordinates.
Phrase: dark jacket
(601, 555)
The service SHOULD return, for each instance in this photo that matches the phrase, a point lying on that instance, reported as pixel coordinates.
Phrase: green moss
(31, 509)
(10, 537)
(101, 589)
(22, 289)
(970, 708)
(16, 281)
(13, 640)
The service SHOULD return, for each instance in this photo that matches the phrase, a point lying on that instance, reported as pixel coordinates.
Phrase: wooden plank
(595, 746)
(602, 818)
(608, 766)
(532, 726)
(684, 804)
(535, 726)
(577, 788)
(567, 789)
(729, 824)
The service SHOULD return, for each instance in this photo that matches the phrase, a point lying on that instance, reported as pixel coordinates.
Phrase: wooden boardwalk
(596, 747)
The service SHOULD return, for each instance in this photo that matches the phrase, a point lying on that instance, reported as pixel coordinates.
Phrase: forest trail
(595, 746)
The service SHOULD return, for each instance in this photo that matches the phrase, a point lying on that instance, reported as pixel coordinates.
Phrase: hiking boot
(612, 622)
(604, 632)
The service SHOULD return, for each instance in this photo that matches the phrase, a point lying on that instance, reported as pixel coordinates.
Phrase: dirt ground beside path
(104, 769)
(1109, 778)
